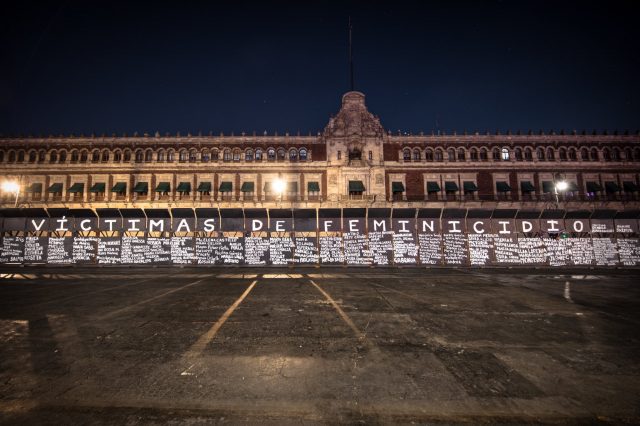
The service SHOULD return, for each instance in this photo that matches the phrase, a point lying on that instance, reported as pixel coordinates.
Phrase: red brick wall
(415, 184)
(390, 152)
(485, 183)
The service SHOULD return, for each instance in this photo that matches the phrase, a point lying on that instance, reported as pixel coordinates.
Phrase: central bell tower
(354, 140)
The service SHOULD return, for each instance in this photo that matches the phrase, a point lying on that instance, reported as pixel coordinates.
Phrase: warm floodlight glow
(278, 186)
(562, 185)
(10, 186)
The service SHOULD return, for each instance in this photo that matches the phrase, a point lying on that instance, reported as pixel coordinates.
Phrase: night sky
(103, 67)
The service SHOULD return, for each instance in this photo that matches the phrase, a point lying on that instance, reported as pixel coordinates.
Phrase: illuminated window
(505, 154)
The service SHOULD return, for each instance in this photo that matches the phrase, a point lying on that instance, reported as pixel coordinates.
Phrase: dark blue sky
(92, 66)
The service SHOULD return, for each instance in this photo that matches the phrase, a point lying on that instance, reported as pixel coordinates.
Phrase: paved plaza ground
(318, 346)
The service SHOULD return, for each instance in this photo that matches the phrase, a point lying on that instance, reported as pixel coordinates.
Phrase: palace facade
(353, 162)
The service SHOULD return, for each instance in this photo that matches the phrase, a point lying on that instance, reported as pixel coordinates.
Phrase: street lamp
(561, 185)
(278, 187)
(13, 187)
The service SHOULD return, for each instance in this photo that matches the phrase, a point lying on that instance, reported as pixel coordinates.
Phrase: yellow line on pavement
(135, 305)
(342, 314)
(198, 347)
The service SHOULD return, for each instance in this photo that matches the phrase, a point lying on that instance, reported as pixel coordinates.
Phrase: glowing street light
(560, 185)
(12, 187)
(278, 186)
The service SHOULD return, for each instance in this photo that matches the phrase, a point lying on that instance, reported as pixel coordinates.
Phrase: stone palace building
(353, 162)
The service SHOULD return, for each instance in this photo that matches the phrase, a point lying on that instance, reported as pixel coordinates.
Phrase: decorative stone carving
(353, 119)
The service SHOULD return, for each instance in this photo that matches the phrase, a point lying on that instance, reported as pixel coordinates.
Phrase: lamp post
(278, 186)
(13, 187)
(559, 185)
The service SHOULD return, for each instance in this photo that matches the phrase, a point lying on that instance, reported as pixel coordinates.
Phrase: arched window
(627, 154)
(236, 154)
(462, 156)
(127, 156)
(215, 155)
(84, 156)
(428, 154)
(550, 154)
(20, 156)
(473, 154)
(451, 154)
(12, 156)
(281, 154)
(193, 156)
(416, 155)
(63, 156)
(573, 156)
(484, 155)
(563, 154)
(584, 154)
(105, 156)
(117, 156)
(248, 155)
(42, 156)
(139, 156)
(615, 154)
(439, 155)
(594, 154)
(183, 156)
(540, 154)
(74, 156)
(33, 156)
(95, 156)
(205, 156)
(504, 154)
(495, 154)
(528, 154)
(303, 154)
(148, 156)
(271, 154)
(1, 156)
(293, 155)
(636, 154)
(53, 157)
(406, 154)
(518, 154)
(227, 155)
(606, 154)
(160, 155)
(258, 154)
